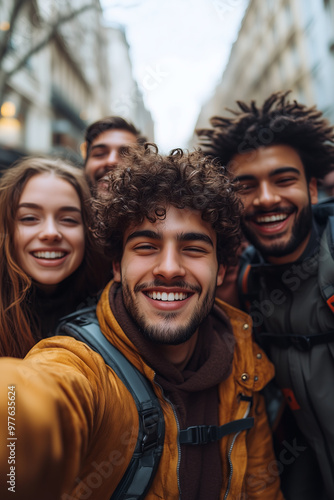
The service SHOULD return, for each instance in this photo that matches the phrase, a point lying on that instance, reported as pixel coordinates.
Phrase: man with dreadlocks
(277, 152)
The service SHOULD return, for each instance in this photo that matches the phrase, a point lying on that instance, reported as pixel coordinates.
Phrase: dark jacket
(289, 309)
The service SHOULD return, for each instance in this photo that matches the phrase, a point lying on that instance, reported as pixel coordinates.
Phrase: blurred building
(46, 103)
(281, 45)
(77, 77)
(126, 99)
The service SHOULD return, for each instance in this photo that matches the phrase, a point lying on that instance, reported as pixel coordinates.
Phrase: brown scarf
(193, 392)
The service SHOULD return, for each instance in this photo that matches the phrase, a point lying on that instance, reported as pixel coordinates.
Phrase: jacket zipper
(229, 456)
(178, 431)
(230, 464)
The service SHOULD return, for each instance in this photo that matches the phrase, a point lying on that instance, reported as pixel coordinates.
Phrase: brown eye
(245, 187)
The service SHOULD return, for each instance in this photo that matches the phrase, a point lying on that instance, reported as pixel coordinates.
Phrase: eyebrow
(39, 207)
(153, 235)
(277, 171)
(195, 237)
(100, 145)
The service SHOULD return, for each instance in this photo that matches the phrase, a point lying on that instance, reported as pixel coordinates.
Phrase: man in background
(105, 142)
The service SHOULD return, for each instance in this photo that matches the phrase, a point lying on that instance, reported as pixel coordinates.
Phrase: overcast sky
(178, 49)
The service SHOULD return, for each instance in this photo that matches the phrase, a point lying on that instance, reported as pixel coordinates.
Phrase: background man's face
(106, 152)
(169, 273)
(277, 200)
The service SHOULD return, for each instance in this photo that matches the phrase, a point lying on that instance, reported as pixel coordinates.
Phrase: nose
(113, 157)
(169, 264)
(50, 230)
(266, 196)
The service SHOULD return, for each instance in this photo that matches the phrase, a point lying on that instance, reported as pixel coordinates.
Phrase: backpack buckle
(150, 421)
(199, 434)
(301, 342)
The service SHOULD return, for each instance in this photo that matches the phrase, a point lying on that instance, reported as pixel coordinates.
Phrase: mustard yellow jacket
(74, 425)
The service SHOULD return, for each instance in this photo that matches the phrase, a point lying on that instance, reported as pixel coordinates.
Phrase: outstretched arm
(55, 424)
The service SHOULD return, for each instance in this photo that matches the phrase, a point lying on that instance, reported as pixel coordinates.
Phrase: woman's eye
(28, 218)
(69, 220)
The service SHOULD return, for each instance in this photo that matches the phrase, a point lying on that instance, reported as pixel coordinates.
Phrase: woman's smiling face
(49, 236)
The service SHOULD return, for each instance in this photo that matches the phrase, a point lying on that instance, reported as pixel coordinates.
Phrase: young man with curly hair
(277, 153)
(170, 224)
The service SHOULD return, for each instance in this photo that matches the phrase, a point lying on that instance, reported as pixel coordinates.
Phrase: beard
(300, 231)
(165, 332)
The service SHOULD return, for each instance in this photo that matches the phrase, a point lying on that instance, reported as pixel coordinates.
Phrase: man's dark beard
(300, 231)
(162, 333)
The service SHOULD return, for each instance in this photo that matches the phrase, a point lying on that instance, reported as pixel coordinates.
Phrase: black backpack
(84, 326)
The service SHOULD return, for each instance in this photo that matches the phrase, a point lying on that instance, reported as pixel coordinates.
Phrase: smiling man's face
(105, 153)
(277, 200)
(169, 273)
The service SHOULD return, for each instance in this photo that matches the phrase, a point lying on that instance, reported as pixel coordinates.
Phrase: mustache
(175, 284)
(257, 212)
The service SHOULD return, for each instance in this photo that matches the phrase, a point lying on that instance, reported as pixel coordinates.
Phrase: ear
(116, 267)
(313, 190)
(221, 274)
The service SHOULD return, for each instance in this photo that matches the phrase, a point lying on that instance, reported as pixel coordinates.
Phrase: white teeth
(271, 218)
(167, 297)
(49, 255)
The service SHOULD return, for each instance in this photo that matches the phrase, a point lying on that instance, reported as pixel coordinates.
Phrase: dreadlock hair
(146, 183)
(278, 121)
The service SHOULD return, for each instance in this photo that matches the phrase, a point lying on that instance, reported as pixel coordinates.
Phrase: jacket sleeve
(50, 404)
(263, 470)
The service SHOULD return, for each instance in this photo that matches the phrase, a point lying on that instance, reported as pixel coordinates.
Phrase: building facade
(77, 74)
(46, 103)
(282, 45)
(126, 99)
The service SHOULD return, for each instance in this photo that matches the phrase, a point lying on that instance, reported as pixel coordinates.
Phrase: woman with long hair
(46, 251)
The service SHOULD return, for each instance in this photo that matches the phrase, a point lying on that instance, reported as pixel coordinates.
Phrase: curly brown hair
(146, 183)
(278, 121)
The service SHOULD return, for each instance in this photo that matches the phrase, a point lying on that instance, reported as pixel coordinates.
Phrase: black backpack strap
(299, 342)
(84, 326)
(203, 434)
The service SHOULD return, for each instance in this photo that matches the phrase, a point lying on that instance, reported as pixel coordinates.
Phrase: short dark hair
(278, 121)
(109, 123)
(146, 183)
